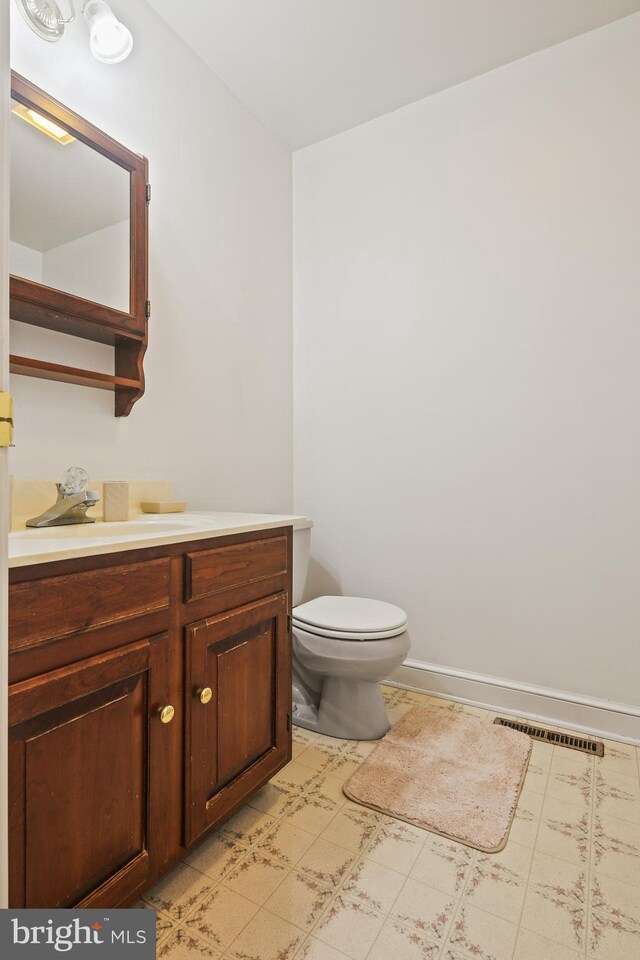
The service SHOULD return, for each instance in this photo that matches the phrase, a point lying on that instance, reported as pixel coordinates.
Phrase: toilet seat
(350, 618)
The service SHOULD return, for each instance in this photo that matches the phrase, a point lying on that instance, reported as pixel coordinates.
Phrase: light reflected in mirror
(70, 213)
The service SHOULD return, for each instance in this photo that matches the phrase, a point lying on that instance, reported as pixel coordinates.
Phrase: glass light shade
(109, 40)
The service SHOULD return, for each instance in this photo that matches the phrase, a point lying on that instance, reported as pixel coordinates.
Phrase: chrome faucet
(72, 504)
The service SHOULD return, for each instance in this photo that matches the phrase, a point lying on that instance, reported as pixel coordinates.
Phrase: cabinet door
(86, 742)
(238, 708)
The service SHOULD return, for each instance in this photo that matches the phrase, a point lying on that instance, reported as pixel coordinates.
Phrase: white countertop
(42, 545)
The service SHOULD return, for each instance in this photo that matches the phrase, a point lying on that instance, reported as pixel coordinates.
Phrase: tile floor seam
(298, 952)
(549, 936)
(470, 865)
(378, 935)
(221, 886)
(217, 883)
(196, 936)
(306, 876)
(336, 894)
(571, 803)
(551, 857)
(389, 915)
(197, 901)
(360, 859)
(280, 823)
(371, 841)
(269, 860)
(339, 888)
(591, 865)
(458, 906)
(611, 876)
(603, 870)
(311, 931)
(252, 844)
(290, 869)
(158, 911)
(491, 913)
(200, 900)
(362, 856)
(587, 919)
(262, 907)
(342, 847)
(166, 932)
(533, 854)
(257, 809)
(315, 783)
(404, 926)
(293, 798)
(337, 891)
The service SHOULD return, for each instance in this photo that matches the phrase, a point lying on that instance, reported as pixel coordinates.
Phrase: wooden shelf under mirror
(127, 390)
(88, 239)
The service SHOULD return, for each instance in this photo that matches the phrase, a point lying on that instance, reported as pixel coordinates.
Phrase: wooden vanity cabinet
(85, 758)
(143, 712)
(238, 700)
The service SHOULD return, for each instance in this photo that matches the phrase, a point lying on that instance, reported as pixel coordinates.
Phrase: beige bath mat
(449, 773)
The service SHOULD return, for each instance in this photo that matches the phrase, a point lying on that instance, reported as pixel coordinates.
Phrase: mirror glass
(70, 213)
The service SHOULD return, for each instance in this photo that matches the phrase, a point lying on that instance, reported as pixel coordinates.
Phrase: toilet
(342, 648)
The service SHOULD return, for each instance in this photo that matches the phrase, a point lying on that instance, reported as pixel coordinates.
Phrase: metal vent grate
(594, 747)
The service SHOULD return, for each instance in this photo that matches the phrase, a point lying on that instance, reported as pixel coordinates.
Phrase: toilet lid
(350, 618)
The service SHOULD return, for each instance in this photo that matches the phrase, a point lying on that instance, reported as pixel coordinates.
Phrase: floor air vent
(594, 747)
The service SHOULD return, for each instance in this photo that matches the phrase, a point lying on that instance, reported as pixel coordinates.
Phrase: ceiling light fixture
(57, 133)
(109, 40)
(45, 18)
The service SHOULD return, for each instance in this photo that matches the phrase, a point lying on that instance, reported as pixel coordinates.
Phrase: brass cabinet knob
(205, 694)
(167, 714)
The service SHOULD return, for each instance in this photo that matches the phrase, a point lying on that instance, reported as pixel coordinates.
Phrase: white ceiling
(312, 68)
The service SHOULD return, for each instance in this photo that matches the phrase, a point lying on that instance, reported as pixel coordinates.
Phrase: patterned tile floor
(301, 872)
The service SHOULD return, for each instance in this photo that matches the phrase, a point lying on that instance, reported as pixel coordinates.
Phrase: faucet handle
(74, 480)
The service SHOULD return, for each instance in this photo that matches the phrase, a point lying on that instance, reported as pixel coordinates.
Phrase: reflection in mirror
(70, 213)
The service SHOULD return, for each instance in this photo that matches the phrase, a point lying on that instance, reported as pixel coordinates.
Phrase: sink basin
(148, 525)
(99, 536)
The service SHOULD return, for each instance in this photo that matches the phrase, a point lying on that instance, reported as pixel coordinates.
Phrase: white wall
(95, 266)
(25, 262)
(466, 304)
(217, 414)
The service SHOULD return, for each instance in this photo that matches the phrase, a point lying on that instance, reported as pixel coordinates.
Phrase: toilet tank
(301, 545)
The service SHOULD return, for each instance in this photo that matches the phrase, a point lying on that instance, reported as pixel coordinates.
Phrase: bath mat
(448, 773)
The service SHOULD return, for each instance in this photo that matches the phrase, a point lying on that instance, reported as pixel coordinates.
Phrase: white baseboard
(602, 718)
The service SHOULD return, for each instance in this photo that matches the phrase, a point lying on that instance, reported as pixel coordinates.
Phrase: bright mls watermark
(79, 934)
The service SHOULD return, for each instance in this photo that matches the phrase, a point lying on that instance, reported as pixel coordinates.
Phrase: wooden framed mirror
(78, 240)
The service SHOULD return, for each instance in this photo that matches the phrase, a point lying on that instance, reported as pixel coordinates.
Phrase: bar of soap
(163, 506)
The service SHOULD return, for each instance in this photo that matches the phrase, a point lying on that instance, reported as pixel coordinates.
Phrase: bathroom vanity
(150, 697)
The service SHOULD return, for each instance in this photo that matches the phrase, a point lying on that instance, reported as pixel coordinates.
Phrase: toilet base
(349, 710)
